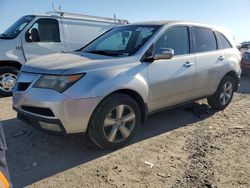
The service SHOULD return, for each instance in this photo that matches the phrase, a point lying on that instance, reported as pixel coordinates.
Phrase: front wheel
(114, 122)
(224, 94)
(8, 77)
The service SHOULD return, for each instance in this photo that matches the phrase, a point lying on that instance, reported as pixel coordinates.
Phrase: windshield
(16, 28)
(122, 41)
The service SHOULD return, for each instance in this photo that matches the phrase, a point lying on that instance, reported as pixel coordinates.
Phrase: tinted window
(204, 40)
(47, 30)
(222, 41)
(176, 38)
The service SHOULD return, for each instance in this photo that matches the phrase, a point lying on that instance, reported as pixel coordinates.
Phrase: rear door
(209, 61)
(49, 39)
(225, 45)
(171, 81)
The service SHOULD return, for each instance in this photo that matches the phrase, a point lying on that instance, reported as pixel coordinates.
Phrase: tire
(224, 93)
(117, 131)
(8, 76)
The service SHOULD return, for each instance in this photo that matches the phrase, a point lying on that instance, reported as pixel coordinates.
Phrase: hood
(71, 63)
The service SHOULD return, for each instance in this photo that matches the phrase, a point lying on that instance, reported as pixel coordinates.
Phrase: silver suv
(107, 88)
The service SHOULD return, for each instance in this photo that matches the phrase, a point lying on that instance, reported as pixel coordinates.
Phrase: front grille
(22, 86)
(39, 111)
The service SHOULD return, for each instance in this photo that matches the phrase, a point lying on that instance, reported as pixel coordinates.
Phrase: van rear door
(43, 37)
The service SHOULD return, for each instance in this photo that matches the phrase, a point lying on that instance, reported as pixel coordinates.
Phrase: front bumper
(52, 111)
(42, 123)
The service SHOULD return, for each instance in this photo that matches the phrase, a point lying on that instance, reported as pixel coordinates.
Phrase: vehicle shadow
(2, 97)
(244, 85)
(33, 155)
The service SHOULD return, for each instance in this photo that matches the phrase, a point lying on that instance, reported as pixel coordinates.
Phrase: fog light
(49, 126)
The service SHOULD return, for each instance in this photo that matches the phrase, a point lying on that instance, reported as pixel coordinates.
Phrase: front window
(44, 30)
(16, 28)
(176, 38)
(122, 41)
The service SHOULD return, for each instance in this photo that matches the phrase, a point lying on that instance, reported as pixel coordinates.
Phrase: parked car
(35, 35)
(108, 88)
(245, 63)
(245, 45)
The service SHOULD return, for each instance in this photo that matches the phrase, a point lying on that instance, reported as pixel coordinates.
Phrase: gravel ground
(189, 146)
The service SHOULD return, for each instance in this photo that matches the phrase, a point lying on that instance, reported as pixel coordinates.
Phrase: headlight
(56, 82)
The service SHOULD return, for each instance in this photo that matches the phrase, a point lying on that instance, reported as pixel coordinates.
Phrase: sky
(231, 14)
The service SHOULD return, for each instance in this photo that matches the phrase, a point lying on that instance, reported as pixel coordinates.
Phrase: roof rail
(87, 17)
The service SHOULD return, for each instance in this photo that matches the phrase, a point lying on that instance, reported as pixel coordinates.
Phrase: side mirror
(28, 37)
(35, 35)
(164, 53)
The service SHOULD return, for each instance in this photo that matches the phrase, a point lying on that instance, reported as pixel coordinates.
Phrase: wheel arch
(134, 95)
(139, 100)
(234, 75)
(9, 63)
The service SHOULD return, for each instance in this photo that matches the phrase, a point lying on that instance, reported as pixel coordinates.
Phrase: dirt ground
(189, 146)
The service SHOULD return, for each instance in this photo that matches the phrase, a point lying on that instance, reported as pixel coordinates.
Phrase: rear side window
(222, 41)
(46, 30)
(204, 40)
(176, 38)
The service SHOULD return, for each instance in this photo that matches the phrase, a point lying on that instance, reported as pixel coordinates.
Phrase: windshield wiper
(102, 52)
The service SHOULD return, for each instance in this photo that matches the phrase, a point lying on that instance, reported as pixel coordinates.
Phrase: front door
(43, 38)
(171, 81)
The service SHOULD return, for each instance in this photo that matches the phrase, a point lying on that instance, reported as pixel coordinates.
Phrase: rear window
(204, 40)
(223, 43)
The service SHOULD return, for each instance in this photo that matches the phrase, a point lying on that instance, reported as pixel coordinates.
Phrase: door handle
(187, 64)
(221, 58)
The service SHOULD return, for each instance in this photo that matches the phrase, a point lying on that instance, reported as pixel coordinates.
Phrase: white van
(36, 35)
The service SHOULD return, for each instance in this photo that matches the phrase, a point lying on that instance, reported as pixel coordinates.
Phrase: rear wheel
(8, 77)
(224, 94)
(114, 122)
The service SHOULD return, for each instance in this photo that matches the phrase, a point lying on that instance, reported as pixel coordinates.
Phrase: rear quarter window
(223, 43)
(204, 40)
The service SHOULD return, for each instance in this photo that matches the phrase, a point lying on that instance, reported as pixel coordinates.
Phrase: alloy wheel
(226, 93)
(119, 123)
(7, 81)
